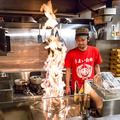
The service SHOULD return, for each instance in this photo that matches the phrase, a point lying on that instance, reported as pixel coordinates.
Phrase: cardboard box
(104, 11)
(102, 19)
(115, 3)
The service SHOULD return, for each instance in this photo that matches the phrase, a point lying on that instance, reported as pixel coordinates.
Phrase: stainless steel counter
(113, 117)
(105, 107)
(32, 110)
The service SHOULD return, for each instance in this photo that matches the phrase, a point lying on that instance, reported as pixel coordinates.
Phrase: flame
(47, 8)
(53, 84)
(54, 64)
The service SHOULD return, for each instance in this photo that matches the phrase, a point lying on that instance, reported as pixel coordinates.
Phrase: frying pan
(20, 82)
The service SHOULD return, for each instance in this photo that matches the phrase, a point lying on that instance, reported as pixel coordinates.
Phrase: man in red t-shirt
(82, 61)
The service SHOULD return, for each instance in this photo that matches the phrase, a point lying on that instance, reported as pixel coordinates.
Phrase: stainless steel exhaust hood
(30, 23)
(17, 11)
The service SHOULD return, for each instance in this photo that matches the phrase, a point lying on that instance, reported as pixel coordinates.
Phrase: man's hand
(68, 91)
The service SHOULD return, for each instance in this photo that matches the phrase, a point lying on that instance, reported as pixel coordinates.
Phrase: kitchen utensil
(21, 75)
(76, 96)
(20, 82)
(36, 79)
(39, 36)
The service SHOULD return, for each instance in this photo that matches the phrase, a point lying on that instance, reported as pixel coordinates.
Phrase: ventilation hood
(16, 13)
(13, 10)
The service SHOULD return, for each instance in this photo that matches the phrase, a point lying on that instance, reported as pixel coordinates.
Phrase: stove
(25, 89)
(20, 88)
(36, 88)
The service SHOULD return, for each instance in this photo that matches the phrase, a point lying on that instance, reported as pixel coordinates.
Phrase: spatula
(39, 36)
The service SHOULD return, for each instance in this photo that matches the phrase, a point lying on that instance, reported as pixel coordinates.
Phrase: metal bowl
(36, 79)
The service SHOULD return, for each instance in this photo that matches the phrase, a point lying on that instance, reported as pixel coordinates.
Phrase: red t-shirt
(82, 64)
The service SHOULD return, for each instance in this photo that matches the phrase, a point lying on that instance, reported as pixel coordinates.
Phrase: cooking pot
(20, 82)
(36, 79)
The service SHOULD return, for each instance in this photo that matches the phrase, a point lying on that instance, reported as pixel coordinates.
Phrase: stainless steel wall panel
(26, 53)
(104, 47)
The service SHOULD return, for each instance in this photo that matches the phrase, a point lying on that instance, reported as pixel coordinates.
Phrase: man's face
(82, 43)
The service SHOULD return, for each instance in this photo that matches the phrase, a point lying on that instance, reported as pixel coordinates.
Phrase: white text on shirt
(83, 60)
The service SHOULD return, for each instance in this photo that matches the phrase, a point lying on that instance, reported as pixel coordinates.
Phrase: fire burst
(53, 84)
(54, 64)
(47, 8)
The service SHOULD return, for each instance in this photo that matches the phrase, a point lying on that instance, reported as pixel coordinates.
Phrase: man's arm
(68, 75)
(97, 68)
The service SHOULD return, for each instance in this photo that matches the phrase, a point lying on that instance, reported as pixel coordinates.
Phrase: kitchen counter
(113, 117)
(25, 70)
(20, 70)
(32, 110)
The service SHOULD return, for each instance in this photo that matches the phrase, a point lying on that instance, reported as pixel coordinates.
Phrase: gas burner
(36, 88)
(20, 88)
